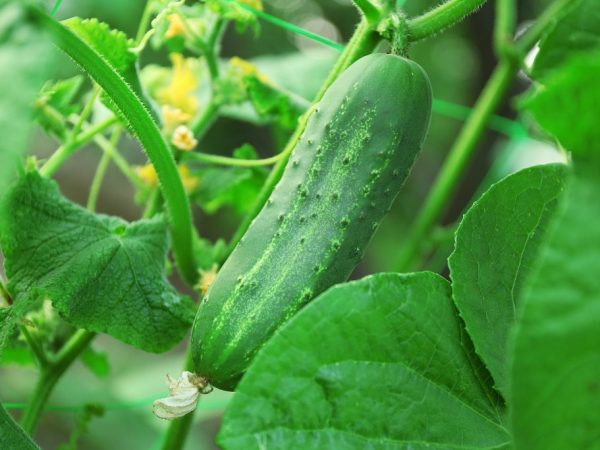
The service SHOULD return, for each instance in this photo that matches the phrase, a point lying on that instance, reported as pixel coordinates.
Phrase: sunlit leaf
(496, 244)
(555, 370)
(101, 273)
(383, 362)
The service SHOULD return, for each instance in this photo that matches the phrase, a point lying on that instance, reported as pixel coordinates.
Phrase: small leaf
(567, 106)
(555, 363)
(12, 436)
(59, 97)
(112, 45)
(578, 31)
(496, 245)
(383, 362)
(101, 273)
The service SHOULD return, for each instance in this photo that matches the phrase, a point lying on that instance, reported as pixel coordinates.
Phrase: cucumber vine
(71, 274)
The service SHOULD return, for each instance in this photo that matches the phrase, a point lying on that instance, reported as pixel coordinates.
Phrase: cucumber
(341, 179)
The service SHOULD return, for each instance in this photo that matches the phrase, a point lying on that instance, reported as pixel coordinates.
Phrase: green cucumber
(341, 179)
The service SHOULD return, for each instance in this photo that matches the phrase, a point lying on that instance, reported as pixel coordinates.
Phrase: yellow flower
(176, 26)
(190, 182)
(183, 138)
(256, 4)
(147, 174)
(173, 117)
(179, 92)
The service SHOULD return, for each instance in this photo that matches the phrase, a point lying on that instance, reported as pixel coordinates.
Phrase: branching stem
(49, 376)
(462, 151)
(438, 19)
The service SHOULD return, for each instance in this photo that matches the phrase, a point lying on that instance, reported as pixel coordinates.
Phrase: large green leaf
(12, 436)
(578, 31)
(567, 105)
(101, 273)
(496, 245)
(383, 362)
(555, 369)
(25, 57)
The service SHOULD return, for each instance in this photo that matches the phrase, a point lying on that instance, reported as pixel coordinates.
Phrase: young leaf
(101, 273)
(555, 363)
(383, 362)
(496, 244)
(12, 436)
(578, 31)
(567, 106)
(24, 62)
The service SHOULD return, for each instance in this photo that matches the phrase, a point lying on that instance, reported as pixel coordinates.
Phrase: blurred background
(458, 63)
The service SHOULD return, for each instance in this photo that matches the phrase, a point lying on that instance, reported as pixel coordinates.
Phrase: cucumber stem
(456, 164)
(462, 151)
(441, 17)
(49, 376)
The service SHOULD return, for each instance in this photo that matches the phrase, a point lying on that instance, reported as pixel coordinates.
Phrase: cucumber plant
(479, 332)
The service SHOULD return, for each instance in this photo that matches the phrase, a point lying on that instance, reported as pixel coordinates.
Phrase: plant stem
(119, 161)
(97, 182)
(456, 163)
(363, 41)
(504, 29)
(50, 375)
(441, 17)
(464, 148)
(144, 22)
(65, 151)
(101, 171)
(178, 429)
(368, 10)
(87, 110)
(201, 125)
(233, 162)
(35, 346)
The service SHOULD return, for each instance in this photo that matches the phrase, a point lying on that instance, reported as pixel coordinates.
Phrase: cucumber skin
(341, 179)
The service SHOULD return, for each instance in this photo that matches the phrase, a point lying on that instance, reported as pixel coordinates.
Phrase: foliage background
(458, 64)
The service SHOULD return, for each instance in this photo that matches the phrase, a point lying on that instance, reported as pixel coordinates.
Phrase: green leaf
(112, 45)
(496, 244)
(555, 363)
(25, 58)
(383, 362)
(567, 106)
(102, 273)
(12, 436)
(578, 31)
